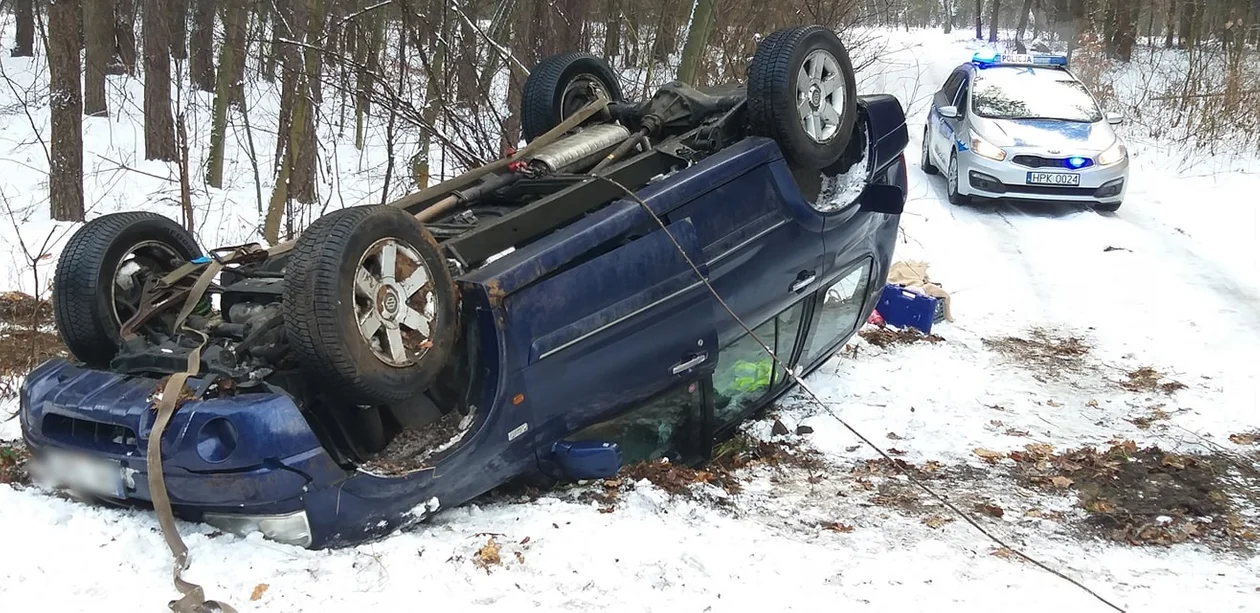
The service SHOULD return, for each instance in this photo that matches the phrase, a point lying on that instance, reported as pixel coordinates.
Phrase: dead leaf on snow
(1061, 482)
(936, 521)
(836, 526)
(1102, 506)
(520, 557)
(488, 555)
(1052, 403)
(1004, 553)
(1092, 404)
(988, 455)
(893, 436)
(1016, 432)
(895, 451)
(1039, 451)
(259, 590)
(1245, 438)
(990, 509)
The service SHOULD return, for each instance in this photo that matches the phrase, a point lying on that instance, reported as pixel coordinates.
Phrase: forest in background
(447, 74)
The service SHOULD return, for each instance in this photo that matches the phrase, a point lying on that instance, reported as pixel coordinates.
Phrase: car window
(656, 427)
(745, 372)
(1009, 92)
(838, 314)
(961, 100)
(951, 85)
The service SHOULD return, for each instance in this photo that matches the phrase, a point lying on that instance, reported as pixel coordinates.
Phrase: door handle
(688, 364)
(802, 283)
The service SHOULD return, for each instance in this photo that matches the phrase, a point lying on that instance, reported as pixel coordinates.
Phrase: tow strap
(194, 598)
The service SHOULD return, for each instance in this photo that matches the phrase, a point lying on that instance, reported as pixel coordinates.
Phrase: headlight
(1116, 153)
(986, 148)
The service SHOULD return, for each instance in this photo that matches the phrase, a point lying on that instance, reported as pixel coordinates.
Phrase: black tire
(84, 290)
(1108, 208)
(320, 307)
(954, 196)
(544, 103)
(925, 162)
(773, 100)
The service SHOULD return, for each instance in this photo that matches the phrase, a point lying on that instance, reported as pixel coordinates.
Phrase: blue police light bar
(988, 57)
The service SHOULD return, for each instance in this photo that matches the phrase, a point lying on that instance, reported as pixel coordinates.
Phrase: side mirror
(1115, 119)
(587, 459)
(948, 112)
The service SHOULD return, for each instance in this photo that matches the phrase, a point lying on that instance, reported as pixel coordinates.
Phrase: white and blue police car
(1023, 127)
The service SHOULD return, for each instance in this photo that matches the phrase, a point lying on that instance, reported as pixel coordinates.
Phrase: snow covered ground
(1170, 282)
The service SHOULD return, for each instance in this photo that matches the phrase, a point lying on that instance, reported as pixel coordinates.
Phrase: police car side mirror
(1115, 119)
(948, 112)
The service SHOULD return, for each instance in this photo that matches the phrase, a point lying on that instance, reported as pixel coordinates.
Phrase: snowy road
(1171, 281)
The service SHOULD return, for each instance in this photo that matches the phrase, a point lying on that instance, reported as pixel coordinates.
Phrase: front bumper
(982, 177)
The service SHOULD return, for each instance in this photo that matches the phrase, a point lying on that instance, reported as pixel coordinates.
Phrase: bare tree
(98, 31)
(993, 20)
(65, 172)
(159, 128)
(697, 41)
(201, 45)
(1023, 20)
(979, 17)
(24, 39)
(125, 33)
(232, 52)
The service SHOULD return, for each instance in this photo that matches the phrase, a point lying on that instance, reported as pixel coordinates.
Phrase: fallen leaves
(488, 555)
(936, 521)
(1061, 482)
(988, 455)
(990, 509)
(1147, 379)
(258, 592)
(1245, 438)
(838, 527)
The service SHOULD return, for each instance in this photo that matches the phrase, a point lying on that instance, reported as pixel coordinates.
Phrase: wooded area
(432, 65)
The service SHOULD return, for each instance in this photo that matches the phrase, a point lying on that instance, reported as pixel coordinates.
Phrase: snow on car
(554, 312)
(1023, 127)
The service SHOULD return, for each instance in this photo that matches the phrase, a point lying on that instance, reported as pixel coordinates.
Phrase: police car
(1024, 127)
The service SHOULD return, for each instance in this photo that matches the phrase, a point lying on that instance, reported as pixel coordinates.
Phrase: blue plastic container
(905, 309)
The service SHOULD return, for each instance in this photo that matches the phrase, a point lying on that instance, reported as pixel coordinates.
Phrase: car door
(941, 130)
(762, 242)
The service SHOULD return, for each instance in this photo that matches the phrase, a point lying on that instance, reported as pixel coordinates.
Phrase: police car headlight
(1116, 153)
(986, 149)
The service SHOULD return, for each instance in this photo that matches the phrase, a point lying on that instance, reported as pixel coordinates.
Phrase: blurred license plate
(83, 473)
(1053, 178)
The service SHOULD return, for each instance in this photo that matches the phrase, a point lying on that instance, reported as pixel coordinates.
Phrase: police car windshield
(1021, 92)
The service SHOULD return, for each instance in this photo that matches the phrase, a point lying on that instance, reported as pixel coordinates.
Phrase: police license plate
(83, 473)
(1054, 178)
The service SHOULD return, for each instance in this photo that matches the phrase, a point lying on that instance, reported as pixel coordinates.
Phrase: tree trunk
(466, 72)
(1126, 28)
(201, 46)
(612, 29)
(99, 34)
(1170, 24)
(993, 21)
(159, 128)
(177, 12)
(947, 19)
(233, 45)
(24, 40)
(1023, 20)
(1185, 27)
(420, 165)
(979, 19)
(125, 33)
(666, 33)
(65, 168)
(697, 42)
(372, 33)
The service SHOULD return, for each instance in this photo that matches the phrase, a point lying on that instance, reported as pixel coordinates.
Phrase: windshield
(1010, 92)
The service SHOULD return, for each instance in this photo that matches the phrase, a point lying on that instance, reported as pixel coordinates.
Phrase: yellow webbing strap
(194, 598)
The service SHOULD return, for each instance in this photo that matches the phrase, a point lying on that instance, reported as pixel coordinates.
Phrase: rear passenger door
(762, 243)
(939, 128)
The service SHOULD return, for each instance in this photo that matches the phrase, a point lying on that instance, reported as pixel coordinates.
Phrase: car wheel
(100, 278)
(373, 318)
(1109, 207)
(951, 182)
(561, 85)
(802, 93)
(925, 162)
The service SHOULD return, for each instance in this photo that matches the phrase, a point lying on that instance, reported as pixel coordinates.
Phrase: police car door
(941, 130)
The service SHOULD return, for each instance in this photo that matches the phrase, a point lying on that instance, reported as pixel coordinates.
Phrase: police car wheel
(951, 182)
(374, 319)
(561, 85)
(802, 92)
(926, 161)
(99, 280)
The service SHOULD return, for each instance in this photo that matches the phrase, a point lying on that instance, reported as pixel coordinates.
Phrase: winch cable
(194, 598)
(828, 410)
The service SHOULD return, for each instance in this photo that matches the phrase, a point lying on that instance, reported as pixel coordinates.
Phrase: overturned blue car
(560, 312)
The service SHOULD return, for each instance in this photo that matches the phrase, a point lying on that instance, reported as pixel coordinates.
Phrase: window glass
(838, 314)
(951, 85)
(745, 372)
(1009, 92)
(652, 429)
(961, 100)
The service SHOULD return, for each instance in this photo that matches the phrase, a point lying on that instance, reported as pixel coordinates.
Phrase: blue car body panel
(569, 330)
